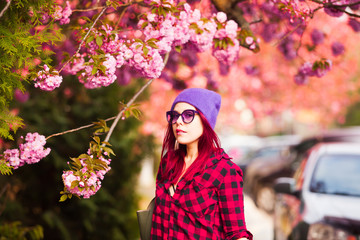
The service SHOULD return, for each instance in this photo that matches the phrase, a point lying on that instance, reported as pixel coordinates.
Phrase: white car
(322, 200)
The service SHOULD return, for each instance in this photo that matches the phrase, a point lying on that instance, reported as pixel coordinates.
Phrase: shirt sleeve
(231, 202)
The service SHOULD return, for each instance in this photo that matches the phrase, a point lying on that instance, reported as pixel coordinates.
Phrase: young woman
(199, 190)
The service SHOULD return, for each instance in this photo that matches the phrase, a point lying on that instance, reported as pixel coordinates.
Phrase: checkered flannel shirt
(210, 206)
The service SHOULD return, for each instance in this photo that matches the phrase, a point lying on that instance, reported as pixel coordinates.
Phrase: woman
(198, 188)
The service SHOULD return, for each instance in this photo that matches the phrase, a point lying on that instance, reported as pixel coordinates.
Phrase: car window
(337, 174)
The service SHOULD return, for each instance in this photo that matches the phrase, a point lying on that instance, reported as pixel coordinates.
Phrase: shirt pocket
(197, 199)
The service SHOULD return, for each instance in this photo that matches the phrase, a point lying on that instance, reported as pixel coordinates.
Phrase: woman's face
(187, 133)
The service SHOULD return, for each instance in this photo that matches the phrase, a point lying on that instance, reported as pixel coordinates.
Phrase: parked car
(239, 146)
(322, 200)
(272, 146)
(262, 173)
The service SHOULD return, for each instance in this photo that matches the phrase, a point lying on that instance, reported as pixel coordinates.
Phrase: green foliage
(15, 231)
(94, 160)
(111, 213)
(5, 169)
(100, 127)
(132, 110)
(9, 122)
(20, 47)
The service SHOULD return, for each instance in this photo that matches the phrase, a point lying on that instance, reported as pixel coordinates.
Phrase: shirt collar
(216, 156)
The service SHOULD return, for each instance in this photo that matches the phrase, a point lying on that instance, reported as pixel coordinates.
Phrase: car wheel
(265, 198)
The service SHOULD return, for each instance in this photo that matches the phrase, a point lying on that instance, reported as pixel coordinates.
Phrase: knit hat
(206, 101)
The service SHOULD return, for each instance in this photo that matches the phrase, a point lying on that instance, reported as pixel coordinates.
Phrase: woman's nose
(179, 120)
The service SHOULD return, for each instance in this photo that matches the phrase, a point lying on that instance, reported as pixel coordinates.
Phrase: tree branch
(5, 8)
(338, 7)
(84, 38)
(77, 129)
(131, 102)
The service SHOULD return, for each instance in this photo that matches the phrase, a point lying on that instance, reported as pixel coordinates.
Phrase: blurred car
(239, 146)
(322, 200)
(259, 163)
(271, 146)
(262, 172)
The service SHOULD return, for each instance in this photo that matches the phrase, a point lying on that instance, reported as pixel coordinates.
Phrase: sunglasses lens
(188, 116)
(172, 116)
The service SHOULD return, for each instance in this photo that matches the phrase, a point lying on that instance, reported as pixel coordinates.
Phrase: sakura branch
(8, 2)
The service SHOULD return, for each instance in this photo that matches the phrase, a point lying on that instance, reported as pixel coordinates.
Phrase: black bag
(145, 220)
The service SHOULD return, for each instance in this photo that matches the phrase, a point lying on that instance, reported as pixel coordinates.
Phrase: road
(259, 223)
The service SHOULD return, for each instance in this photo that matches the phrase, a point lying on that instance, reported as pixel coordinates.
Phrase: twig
(77, 129)
(113, 125)
(5, 8)
(87, 10)
(131, 102)
(84, 38)
(286, 35)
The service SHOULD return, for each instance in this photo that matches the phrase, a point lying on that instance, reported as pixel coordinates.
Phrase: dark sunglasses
(187, 116)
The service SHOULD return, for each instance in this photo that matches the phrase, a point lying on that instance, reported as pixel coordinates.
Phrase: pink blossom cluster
(161, 34)
(47, 80)
(99, 79)
(179, 28)
(150, 64)
(160, 29)
(85, 182)
(294, 9)
(62, 15)
(188, 26)
(317, 69)
(118, 52)
(227, 31)
(32, 151)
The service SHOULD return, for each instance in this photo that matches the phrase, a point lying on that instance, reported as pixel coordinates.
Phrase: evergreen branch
(5, 169)
(5, 8)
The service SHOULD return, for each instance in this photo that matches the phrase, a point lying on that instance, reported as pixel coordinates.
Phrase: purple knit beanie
(208, 102)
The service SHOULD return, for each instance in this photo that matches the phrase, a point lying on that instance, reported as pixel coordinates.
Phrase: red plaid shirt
(210, 206)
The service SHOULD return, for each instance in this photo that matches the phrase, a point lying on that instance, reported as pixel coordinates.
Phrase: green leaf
(97, 140)
(178, 49)
(145, 50)
(74, 184)
(63, 198)
(94, 70)
(153, 45)
(144, 24)
(99, 41)
(90, 39)
(109, 151)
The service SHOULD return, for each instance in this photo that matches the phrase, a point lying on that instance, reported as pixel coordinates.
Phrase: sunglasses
(187, 116)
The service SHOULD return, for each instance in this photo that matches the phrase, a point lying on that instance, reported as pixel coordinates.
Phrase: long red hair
(174, 158)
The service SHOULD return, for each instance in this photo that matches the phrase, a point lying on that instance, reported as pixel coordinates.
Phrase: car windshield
(337, 174)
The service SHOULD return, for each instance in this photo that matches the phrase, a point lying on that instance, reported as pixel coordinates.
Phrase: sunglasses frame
(172, 121)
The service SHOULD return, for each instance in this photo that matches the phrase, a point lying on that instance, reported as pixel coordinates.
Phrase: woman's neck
(192, 153)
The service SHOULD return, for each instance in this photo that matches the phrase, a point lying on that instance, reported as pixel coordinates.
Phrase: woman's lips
(179, 131)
